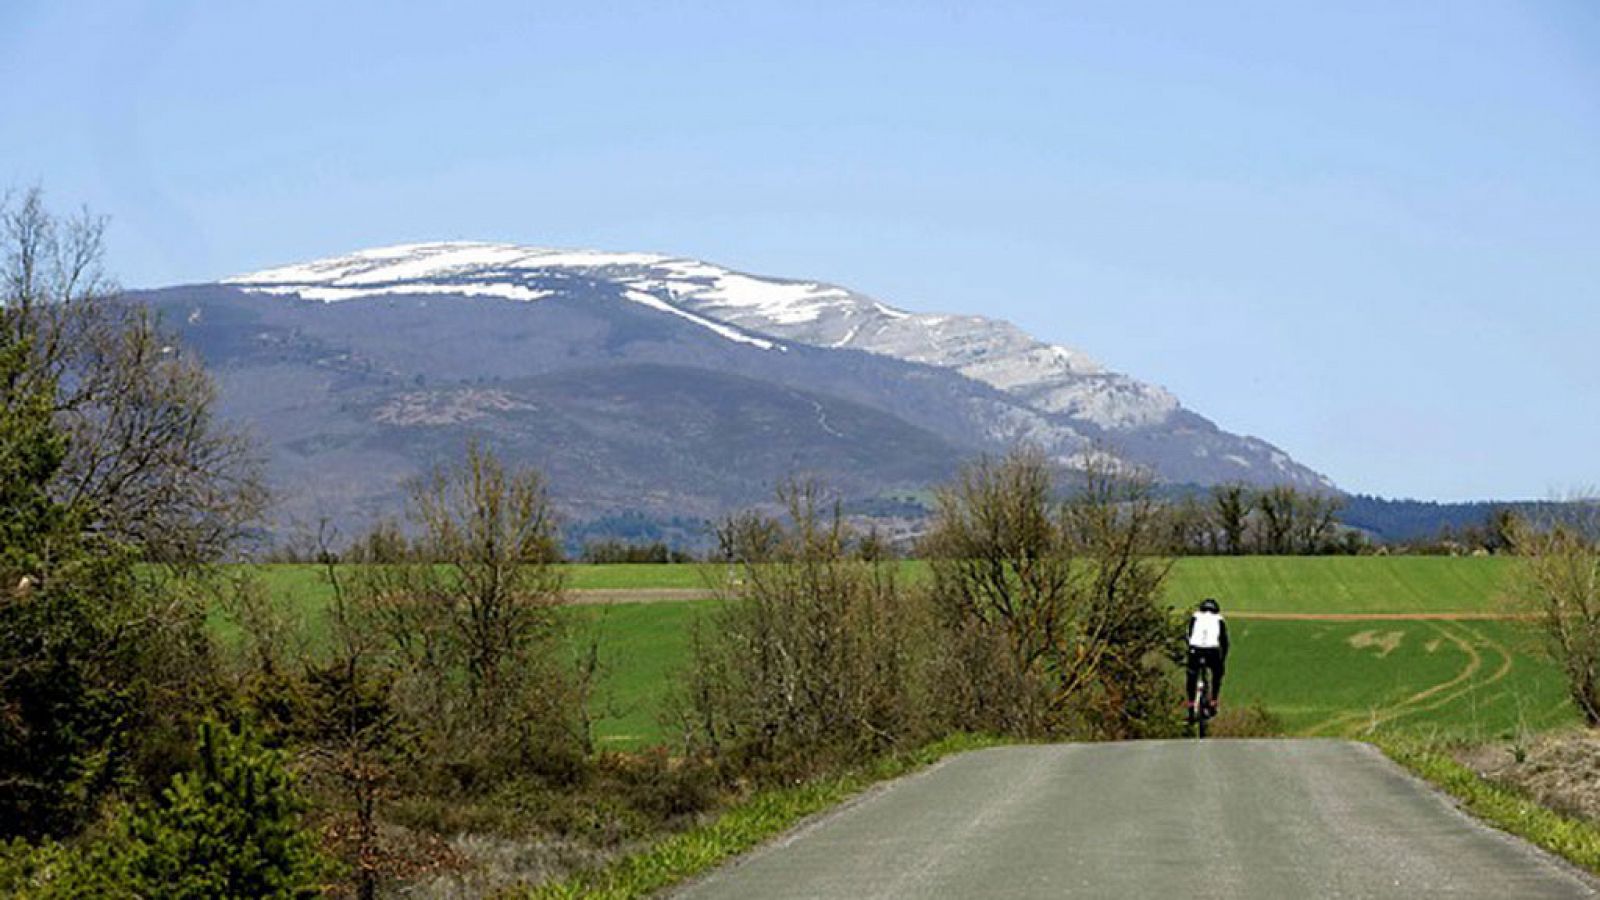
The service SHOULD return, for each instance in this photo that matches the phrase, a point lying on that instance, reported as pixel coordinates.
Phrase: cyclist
(1208, 648)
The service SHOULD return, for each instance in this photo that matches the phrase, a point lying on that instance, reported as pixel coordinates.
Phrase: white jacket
(1207, 631)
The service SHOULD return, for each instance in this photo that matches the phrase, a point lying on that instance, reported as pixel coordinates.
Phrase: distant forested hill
(1396, 521)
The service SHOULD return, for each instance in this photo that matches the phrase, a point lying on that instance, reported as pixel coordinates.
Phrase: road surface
(1295, 819)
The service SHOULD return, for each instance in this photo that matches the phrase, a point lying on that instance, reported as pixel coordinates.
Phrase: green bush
(54, 871)
(229, 828)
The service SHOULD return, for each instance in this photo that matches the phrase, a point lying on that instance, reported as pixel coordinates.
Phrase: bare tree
(495, 532)
(1119, 681)
(48, 260)
(1190, 529)
(1560, 581)
(1278, 506)
(1230, 505)
(747, 537)
(148, 459)
(812, 659)
(1000, 556)
(1039, 595)
(353, 734)
(468, 616)
(1316, 521)
(1501, 529)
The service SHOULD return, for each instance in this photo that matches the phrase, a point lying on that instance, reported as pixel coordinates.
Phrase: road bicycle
(1202, 710)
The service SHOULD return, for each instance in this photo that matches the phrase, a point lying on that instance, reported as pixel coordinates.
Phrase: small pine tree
(57, 721)
(229, 828)
(32, 449)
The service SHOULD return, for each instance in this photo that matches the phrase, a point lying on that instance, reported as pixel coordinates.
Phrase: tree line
(1225, 520)
(1236, 519)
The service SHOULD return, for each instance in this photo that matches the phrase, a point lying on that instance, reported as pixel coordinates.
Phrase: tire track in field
(1343, 720)
(1439, 695)
(1499, 673)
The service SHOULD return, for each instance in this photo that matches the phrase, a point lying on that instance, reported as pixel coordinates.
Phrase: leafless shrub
(467, 611)
(1560, 582)
(1050, 607)
(147, 459)
(814, 657)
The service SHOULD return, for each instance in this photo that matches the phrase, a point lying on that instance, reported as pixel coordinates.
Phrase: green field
(1464, 679)
(642, 647)
(1343, 584)
(303, 590)
(1467, 678)
(1251, 583)
(1348, 584)
(309, 580)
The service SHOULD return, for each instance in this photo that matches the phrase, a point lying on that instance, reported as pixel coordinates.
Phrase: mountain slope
(652, 382)
(744, 308)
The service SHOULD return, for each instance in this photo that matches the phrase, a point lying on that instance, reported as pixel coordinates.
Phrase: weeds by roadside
(1252, 720)
(743, 825)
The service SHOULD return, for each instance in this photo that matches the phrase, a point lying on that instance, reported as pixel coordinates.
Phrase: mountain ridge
(354, 362)
(812, 312)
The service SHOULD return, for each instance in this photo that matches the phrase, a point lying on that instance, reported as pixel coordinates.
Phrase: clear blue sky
(1369, 232)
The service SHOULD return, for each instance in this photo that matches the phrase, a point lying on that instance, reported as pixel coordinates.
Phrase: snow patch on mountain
(336, 294)
(1049, 378)
(732, 334)
(432, 262)
(732, 293)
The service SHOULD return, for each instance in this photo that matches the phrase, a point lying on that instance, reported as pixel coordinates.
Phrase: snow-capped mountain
(649, 381)
(1052, 378)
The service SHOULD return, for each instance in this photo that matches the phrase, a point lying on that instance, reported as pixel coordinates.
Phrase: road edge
(1566, 841)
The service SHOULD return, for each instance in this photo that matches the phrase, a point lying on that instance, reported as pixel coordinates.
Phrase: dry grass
(1560, 770)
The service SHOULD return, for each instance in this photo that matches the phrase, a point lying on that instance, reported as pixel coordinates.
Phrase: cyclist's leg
(1192, 677)
(1213, 666)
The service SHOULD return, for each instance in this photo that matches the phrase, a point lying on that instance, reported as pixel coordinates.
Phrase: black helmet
(1210, 605)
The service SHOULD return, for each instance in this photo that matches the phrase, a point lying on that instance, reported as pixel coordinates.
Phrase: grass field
(308, 581)
(642, 647)
(304, 592)
(1458, 679)
(1348, 584)
(1250, 583)
(1463, 678)
(1343, 584)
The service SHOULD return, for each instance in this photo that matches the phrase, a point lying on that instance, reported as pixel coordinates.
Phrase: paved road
(1165, 819)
